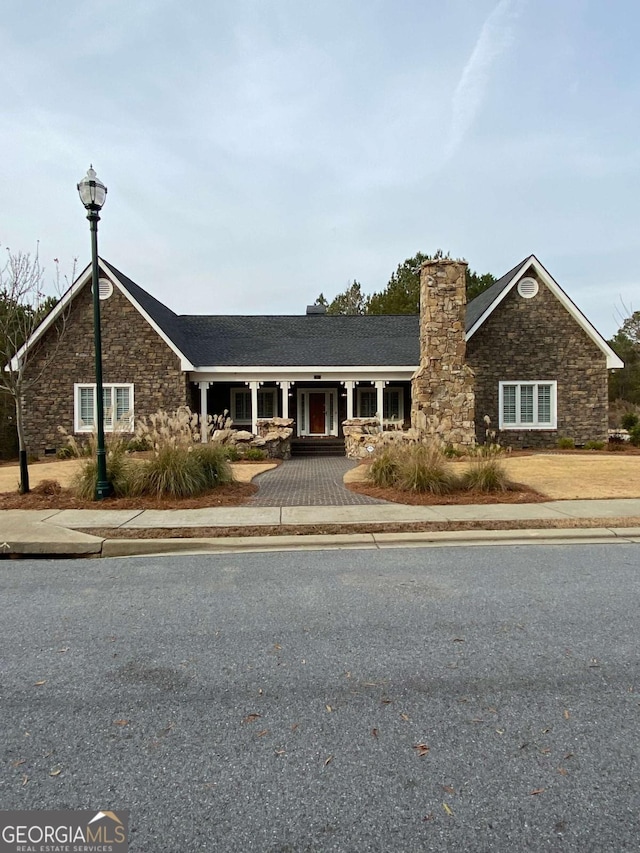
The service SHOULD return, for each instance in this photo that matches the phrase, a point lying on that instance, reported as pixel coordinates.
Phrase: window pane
(108, 407)
(86, 407)
(544, 404)
(123, 406)
(509, 404)
(526, 404)
(391, 405)
(265, 404)
(242, 406)
(368, 401)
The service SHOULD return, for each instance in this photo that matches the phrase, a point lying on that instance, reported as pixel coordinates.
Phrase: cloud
(496, 36)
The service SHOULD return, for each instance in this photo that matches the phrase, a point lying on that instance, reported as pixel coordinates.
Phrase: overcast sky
(258, 152)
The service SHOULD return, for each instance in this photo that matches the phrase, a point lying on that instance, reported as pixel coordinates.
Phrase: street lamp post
(93, 194)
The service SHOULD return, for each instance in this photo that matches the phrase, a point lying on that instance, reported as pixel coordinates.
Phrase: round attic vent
(527, 288)
(105, 288)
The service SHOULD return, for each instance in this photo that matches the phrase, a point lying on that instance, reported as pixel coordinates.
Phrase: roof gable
(159, 317)
(481, 308)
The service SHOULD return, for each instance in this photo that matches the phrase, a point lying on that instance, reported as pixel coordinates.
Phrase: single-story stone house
(521, 353)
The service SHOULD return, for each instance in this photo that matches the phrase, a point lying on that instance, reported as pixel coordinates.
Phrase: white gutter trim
(322, 369)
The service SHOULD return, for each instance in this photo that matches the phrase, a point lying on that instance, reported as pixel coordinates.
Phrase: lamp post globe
(92, 194)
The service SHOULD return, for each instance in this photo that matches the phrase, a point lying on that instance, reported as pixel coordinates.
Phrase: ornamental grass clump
(121, 473)
(385, 467)
(486, 474)
(424, 468)
(174, 472)
(214, 462)
(181, 466)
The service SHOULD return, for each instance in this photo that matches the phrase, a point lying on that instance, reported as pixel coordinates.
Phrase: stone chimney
(442, 389)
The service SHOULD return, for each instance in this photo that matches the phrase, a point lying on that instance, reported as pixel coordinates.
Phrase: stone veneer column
(442, 389)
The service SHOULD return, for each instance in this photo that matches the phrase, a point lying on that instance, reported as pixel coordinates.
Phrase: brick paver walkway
(308, 481)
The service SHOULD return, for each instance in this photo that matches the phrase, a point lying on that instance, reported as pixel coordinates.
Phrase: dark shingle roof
(282, 341)
(298, 340)
(477, 306)
(163, 317)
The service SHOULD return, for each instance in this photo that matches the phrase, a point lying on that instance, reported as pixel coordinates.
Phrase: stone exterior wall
(536, 340)
(442, 389)
(131, 352)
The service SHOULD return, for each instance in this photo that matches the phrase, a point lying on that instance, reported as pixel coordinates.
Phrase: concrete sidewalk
(59, 532)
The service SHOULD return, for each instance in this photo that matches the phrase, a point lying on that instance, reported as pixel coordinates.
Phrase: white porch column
(349, 386)
(204, 412)
(380, 401)
(254, 406)
(285, 398)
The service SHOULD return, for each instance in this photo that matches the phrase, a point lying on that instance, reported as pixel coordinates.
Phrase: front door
(317, 417)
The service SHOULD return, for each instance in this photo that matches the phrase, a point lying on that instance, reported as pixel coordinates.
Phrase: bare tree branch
(23, 306)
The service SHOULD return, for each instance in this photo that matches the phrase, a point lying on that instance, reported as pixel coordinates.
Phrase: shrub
(254, 454)
(486, 474)
(47, 488)
(629, 420)
(565, 443)
(452, 452)
(634, 435)
(139, 444)
(594, 445)
(616, 443)
(231, 452)
(424, 468)
(213, 459)
(65, 452)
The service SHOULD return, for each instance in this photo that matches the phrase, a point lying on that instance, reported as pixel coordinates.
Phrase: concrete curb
(221, 545)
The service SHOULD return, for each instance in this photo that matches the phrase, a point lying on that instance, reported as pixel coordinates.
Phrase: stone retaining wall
(274, 437)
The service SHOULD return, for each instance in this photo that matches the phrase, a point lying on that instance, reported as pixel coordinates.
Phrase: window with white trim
(117, 404)
(528, 405)
(392, 403)
(241, 404)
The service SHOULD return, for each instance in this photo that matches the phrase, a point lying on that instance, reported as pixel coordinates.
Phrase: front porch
(317, 402)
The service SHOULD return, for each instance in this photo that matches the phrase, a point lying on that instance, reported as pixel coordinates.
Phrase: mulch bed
(40, 497)
(518, 494)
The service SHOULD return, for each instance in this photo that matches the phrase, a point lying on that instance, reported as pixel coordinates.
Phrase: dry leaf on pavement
(251, 718)
(421, 748)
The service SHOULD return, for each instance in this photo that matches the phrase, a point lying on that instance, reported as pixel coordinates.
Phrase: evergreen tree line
(402, 293)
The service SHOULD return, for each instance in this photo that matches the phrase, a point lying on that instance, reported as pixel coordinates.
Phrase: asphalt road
(275, 702)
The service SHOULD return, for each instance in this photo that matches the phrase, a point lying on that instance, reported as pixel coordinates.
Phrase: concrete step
(318, 447)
